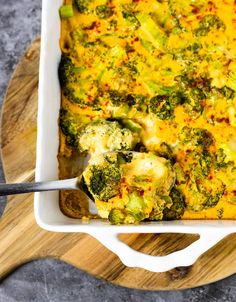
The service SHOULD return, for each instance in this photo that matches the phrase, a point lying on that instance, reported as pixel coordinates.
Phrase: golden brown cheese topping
(165, 73)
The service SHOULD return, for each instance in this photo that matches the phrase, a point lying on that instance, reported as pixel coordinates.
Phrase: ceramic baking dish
(47, 211)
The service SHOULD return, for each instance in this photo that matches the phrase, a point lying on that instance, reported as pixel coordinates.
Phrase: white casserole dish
(47, 211)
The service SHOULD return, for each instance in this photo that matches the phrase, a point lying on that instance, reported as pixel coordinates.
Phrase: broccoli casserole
(158, 78)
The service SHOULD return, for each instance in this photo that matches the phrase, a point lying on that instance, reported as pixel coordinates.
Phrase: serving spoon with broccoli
(127, 186)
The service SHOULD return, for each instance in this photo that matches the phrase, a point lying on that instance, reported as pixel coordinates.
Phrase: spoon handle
(19, 188)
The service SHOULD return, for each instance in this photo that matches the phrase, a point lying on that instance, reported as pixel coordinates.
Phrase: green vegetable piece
(228, 92)
(116, 217)
(160, 106)
(176, 211)
(131, 125)
(163, 104)
(103, 136)
(166, 151)
(208, 23)
(131, 19)
(152, 31)
(66, 11)
(83, 6)
(69, 127)
(104, 11)
(136, 206)
(196, 136)
(147, 45)
(116, 97)
(123, 158)
(104, 182)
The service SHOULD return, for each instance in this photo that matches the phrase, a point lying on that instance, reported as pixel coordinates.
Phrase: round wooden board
(21, 240)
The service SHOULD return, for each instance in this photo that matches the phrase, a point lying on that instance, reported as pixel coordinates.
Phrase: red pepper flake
(141, 193)
(195, 10)
(92, 26)
(222, 120)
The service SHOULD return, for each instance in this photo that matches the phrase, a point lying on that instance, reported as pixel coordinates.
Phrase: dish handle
(158, 264)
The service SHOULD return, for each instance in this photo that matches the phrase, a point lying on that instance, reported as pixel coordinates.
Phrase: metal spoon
(67, 184)
(20, 188)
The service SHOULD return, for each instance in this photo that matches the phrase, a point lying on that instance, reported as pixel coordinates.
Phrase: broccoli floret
(70, 94)
(83, 6)
(131, 66)
(116, 216)
(136, 206)
(66, 71)
(176, 211)
(102, 136)
(124, 157)
(69, 77)
(196, 96)
(161, 107)
(137, 100)
(197, 137)
(103, 181)
(161, 203)
(227, 92)
(69, 127)
(121, 99)
(163, 104)
(207, 193)
(208, 23)
(221, 160)
(196, 90)
(104, 11)
(131, 19)
(165, 151)
(117, 98)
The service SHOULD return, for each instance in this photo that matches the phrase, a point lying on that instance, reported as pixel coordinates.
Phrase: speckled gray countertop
(51, 280)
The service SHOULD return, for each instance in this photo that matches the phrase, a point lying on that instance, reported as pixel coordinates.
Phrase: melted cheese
(141, 60)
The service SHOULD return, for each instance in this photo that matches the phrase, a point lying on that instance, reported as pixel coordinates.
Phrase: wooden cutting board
(21, 240)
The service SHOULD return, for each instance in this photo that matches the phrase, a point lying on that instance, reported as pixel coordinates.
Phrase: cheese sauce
(170, 66)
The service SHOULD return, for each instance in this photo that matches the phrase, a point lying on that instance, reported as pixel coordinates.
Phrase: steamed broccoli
(126, 101)
(131, 20)
(208, 23)
(67, 71)
(197, 137)
(196, 90)
(165, 151)
(221, 159)
(69, 75)
(104, 11)
(136, 206)
(228, 92)
(117, 216)
(176, 210)
(104, 181)
(83, 6)
(102, 136)
(207, 193)
(163, 105)
(117, 98)
(130, 184)
(70, 127)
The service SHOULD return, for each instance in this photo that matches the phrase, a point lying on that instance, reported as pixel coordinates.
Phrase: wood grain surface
(21, 240)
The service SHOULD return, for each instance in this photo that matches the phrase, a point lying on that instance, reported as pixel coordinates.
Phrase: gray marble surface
(51, 280)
